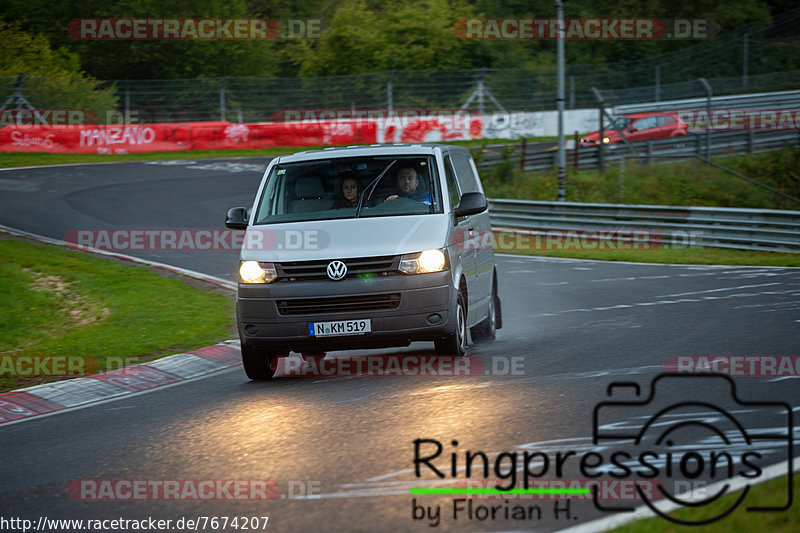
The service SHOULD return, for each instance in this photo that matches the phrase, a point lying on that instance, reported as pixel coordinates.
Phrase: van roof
(369, 150)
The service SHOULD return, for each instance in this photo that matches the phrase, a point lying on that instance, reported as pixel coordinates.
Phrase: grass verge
(739, 520)
(62, 302)
(675, 183)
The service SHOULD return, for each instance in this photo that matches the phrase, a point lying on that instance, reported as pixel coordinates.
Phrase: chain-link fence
(759, 57)
(247, 100)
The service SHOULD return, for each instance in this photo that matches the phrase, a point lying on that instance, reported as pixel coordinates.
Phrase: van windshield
(325, 189)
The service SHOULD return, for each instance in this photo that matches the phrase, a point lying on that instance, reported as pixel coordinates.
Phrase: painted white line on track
(716, 290)
(793, 292)
(148, 161)
(6, 169)
(547, 259)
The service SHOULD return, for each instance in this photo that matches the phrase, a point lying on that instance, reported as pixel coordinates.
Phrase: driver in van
(407, 186)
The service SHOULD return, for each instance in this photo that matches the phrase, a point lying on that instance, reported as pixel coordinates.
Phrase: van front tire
(259, 363)
(456, 342)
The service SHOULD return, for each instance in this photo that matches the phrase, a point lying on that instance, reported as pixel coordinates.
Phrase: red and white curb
(70, 393)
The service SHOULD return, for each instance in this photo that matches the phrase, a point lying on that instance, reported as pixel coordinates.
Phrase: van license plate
(340, 327)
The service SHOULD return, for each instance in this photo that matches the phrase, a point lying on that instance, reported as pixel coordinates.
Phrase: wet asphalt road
(341, 449)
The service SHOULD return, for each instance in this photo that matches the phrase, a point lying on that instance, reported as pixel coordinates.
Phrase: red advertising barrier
(277, 134)
(111, 139)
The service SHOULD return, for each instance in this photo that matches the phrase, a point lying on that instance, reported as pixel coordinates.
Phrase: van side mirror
(236, 218)
(471, 204)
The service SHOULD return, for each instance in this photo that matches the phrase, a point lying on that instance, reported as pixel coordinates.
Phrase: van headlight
(423, 262)
(255, 272)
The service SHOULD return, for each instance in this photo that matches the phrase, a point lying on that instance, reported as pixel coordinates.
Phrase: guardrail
(771, 100)
(683, 147)
(675, 226)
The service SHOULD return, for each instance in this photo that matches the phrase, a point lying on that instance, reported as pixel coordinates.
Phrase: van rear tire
(486, 330)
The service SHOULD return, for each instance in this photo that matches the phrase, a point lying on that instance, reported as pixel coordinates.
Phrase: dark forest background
(358, 36)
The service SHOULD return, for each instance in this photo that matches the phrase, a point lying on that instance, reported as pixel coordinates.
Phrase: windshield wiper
(371, 187)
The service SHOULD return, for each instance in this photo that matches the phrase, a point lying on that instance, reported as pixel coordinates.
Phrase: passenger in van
(349, 190)
(408, 186)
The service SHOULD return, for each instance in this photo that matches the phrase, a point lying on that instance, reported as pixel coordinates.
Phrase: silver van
(365, 247)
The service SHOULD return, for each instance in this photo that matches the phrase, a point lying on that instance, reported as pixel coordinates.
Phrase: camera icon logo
(700, 441)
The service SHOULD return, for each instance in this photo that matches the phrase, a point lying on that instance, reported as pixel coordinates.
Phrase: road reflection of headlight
(255, 272)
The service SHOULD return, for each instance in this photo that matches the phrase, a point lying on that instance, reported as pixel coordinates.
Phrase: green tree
(157, 59)
(369, 35)
(53, 79)
(410, 35)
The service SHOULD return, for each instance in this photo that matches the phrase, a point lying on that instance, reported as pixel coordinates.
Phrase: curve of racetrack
(571, 328)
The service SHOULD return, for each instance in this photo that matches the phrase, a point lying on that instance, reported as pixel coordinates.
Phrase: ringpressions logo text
(651, 441)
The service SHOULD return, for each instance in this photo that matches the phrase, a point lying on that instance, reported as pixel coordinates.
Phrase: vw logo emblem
(336, 270)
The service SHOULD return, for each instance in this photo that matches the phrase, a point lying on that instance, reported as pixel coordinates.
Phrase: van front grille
(309, 270)
(339, 304)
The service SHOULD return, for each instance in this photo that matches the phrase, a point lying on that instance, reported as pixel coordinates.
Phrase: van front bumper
(401, 308)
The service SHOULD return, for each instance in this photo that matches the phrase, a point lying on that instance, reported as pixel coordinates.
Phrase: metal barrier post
(709, 94)
(389, 95)
(575, 150)
(222, 98)
(562, 163)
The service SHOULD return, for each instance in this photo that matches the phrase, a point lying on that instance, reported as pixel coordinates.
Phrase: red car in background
(639, 127)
